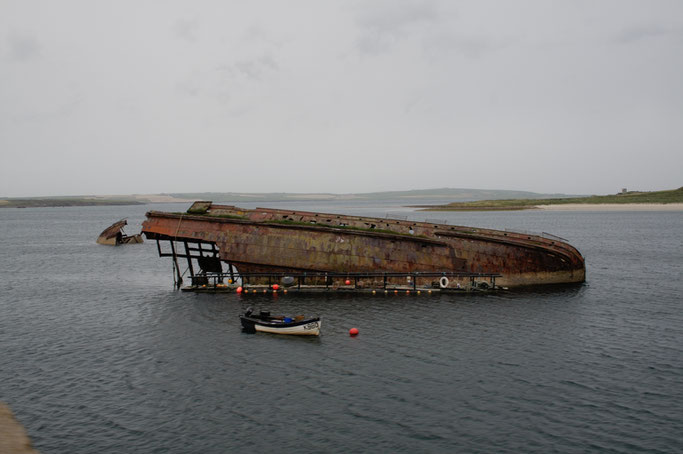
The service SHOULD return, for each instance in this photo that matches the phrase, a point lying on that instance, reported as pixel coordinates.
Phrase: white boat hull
(309, 329)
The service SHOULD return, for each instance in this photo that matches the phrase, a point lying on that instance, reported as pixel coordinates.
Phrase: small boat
(280, 324)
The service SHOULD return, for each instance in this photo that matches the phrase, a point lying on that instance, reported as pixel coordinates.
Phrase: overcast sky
(121, 97)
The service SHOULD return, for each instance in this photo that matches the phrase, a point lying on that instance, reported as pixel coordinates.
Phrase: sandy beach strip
(13, 437)
(161, 198)
(613, 207)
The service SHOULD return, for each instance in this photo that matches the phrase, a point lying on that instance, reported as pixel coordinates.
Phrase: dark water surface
(100, 354)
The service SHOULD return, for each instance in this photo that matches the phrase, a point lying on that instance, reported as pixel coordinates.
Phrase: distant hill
(455, 194)
(631, 197)
(32, 202)
(415, 196)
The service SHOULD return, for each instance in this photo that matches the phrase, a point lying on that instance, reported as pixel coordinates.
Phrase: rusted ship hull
(114, 235)
(271, 240)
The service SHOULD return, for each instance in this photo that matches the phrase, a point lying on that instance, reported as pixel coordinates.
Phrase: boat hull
(114, 235)
(310, 327)
(268, 240)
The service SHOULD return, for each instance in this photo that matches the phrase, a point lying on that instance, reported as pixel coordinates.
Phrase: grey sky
(339, 96)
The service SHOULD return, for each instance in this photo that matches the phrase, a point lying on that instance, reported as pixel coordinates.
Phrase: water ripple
(101, 355)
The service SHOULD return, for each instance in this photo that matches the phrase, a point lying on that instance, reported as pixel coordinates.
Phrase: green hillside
(63, 202)
(455, 194)
(660, 197)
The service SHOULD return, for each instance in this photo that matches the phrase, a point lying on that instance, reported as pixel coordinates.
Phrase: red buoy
(347, 282)
(353, 331)
(275, 286)
(239, 290)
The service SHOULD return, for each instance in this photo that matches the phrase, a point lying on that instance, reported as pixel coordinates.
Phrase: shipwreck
(114, 235)
(363, 251)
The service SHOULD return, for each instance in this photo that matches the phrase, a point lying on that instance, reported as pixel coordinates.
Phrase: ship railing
(550, 236)
(521, 232)
(353, 278)
(546, 235)
(401, 217)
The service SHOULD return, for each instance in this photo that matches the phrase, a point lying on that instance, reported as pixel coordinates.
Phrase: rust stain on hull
(268, 240)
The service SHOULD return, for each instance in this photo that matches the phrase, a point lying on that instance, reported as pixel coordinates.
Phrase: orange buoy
(353, 331)
(239, 290)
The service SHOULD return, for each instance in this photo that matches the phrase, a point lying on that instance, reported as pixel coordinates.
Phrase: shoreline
(14, 438)
(612, 207)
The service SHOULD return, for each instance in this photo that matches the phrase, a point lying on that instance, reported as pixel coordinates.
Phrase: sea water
(100, 354)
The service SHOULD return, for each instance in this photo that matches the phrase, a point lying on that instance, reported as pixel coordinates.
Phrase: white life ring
(443, 282)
